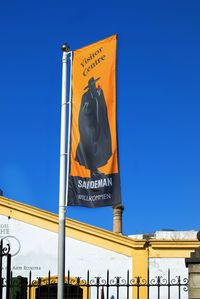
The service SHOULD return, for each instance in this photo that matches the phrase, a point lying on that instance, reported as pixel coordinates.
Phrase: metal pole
(62, 189)
(8, 276)
(69, 127)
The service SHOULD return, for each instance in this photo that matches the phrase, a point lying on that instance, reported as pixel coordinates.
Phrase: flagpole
(62, 187)
(69, 126)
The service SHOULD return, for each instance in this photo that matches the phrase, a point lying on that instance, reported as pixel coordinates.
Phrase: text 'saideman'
(94, 170)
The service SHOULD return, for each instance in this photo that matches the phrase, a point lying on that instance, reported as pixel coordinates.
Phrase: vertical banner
(94, 169)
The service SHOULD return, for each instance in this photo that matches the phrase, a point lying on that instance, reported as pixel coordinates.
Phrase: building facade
(32, 235)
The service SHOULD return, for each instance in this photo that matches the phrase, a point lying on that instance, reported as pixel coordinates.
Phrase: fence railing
(88, 287)
(97, 287)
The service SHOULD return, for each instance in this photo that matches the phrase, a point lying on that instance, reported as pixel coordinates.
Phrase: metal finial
(65, 48)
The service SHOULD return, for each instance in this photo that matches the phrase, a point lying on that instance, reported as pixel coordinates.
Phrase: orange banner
(93, 148)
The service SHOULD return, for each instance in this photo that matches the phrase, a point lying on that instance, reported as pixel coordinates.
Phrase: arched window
(46, 288)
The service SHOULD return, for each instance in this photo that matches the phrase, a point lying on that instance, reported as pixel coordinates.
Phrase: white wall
(159, 267)
(38, 252)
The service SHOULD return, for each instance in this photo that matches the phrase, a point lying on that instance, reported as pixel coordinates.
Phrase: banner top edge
(99, 41)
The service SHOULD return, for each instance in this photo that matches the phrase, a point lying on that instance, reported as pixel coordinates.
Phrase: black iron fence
(96, 287)
(88, 287)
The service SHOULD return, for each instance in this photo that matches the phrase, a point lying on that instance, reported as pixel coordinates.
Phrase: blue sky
(158, 88)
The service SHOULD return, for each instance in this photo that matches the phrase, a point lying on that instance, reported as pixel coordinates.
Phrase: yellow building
(33, 236)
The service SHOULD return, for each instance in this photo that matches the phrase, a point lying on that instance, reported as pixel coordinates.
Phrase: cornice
(90, 234)
(75, 229)
(173, 244)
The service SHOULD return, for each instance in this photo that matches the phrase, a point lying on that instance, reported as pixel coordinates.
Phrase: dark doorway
(50, 292)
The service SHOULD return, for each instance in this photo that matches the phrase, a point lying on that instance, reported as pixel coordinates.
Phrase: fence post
(1, 278)
(193, 265)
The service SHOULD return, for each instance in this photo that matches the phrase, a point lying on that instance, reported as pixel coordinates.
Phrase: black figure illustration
(94, 148)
